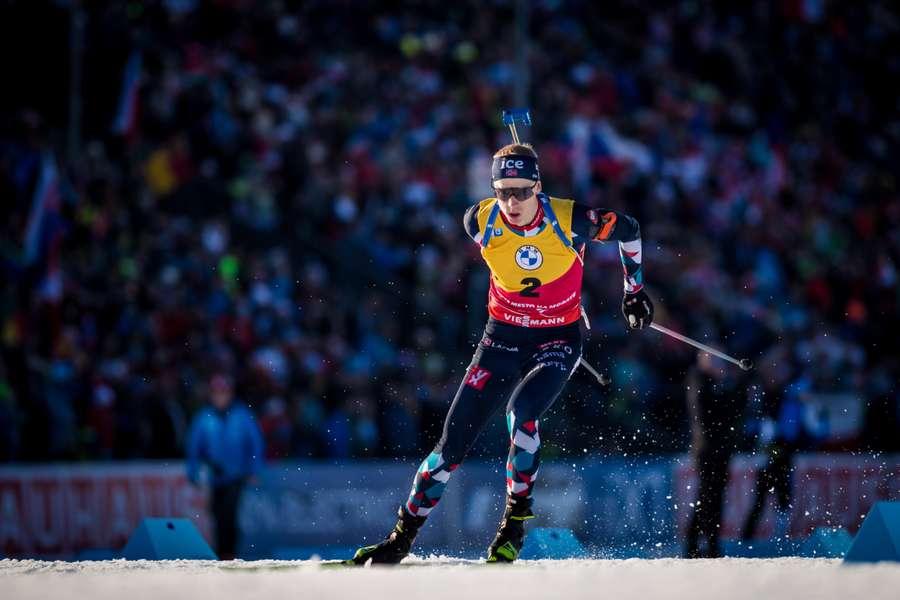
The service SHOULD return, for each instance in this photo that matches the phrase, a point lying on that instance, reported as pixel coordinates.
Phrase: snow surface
(439, 578)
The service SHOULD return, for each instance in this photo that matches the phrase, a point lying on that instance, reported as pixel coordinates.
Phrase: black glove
(638, 310)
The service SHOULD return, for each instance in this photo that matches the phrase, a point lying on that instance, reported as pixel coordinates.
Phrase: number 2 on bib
(532, 284)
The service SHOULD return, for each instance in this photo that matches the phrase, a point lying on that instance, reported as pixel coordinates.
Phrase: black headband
(515, 167)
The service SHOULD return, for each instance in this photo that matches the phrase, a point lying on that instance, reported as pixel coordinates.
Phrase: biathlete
(534, 246)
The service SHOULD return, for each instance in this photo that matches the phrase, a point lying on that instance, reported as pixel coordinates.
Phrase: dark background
(286, 207)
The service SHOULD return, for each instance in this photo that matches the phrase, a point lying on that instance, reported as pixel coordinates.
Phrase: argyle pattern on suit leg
(524, 460)
(429, 484)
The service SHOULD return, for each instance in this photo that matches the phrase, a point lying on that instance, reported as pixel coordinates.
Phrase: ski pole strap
(489, 225)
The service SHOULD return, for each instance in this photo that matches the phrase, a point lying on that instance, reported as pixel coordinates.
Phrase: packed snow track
(442, 578)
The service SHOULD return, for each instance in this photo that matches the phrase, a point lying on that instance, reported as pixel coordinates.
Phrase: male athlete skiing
(534, 246)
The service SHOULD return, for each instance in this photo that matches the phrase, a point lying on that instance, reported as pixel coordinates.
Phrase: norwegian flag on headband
(522, 167)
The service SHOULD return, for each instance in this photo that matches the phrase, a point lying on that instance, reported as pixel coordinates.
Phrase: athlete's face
(518, 205)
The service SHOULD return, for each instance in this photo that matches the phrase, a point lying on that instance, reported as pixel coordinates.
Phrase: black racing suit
(518, 369)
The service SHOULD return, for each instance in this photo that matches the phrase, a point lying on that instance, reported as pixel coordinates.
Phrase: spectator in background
(799, 426)
(226, 438)
(716, 395)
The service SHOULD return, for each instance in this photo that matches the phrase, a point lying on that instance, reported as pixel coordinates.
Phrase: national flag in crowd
(607, 143)
(127, 113)
(597, 147)
(44, 219)
(44, 230)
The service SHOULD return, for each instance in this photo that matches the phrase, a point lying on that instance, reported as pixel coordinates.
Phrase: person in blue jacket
(225, 438)
(798, 425)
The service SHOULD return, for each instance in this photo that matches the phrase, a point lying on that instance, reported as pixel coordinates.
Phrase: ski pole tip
(746, 364)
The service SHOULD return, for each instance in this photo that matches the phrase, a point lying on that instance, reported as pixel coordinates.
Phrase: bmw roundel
(529, 258)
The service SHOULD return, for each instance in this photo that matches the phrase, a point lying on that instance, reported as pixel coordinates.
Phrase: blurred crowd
(282, 203)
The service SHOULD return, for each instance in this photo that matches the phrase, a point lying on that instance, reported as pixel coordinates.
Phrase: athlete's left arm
(604, 225)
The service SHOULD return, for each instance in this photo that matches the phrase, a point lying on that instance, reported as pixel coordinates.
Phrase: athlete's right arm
(470, 222)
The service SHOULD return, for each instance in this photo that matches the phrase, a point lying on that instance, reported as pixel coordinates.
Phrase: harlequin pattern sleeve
(604, 225)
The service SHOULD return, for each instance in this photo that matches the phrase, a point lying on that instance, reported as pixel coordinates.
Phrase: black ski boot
(395, 546)
(511, 533)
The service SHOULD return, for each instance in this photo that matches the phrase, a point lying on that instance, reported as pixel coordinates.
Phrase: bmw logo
(529, 258)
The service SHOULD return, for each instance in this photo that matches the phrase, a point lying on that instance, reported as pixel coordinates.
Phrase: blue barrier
(167, 539)
(615, 507)
(879, 537)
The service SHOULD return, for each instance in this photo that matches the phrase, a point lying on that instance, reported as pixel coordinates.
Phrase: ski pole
(601, 378)
(743, 363)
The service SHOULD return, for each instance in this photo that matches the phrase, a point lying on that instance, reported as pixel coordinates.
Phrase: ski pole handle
(743, 363)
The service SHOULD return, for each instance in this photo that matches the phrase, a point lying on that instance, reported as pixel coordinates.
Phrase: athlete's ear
(537, 188)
